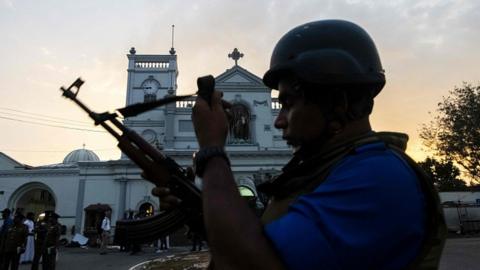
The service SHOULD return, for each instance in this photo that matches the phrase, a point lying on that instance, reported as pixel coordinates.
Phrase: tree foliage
(454, 134)
(445, 174)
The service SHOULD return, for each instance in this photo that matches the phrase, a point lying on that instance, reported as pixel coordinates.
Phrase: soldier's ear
(338, 119)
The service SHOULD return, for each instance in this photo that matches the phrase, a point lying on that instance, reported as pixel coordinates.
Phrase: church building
(82, 186)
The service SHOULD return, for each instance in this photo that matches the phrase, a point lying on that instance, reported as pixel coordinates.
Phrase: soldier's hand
(211, 122)
(167, 200)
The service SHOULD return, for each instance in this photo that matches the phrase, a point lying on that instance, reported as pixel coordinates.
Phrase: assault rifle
(163, 171)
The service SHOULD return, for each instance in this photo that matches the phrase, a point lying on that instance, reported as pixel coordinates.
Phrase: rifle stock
(162, 171)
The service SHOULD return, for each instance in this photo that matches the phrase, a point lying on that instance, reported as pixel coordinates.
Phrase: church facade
(82, 186)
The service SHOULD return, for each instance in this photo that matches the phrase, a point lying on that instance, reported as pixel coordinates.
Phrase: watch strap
(205, 154)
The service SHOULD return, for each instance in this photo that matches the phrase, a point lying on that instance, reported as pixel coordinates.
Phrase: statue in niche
(240, 123)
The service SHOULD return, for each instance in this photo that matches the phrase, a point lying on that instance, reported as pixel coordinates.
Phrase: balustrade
(276, 104)
(185, 104)
(152, 65)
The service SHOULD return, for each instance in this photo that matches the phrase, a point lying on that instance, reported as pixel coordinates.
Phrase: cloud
(8, 4)
(45, 51)
(60, 69)
(49, 67)
(41, 83)
(426, 46)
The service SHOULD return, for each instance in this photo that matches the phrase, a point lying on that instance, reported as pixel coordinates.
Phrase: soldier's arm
(235, 234)
(24, 238)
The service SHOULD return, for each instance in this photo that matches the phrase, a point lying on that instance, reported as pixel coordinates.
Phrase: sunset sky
(427, 48)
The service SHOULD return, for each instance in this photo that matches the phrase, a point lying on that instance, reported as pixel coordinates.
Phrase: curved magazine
(149, 229)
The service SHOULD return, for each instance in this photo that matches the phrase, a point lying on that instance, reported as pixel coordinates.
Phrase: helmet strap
(338, 108)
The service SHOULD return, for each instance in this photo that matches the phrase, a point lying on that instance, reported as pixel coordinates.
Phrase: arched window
(249, 196)
(150, 88)
(146, 209)
(245, 191)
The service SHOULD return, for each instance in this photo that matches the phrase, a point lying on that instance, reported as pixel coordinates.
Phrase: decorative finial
(172, 50)
(84, 146)
(235, 55)
(132, 51)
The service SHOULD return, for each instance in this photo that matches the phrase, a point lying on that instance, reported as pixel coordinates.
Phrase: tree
(454, 134)
(445, 174)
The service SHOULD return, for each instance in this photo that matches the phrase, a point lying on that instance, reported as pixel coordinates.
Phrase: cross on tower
(235, 55)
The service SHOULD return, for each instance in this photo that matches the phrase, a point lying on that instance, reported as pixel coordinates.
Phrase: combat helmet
(327, 53)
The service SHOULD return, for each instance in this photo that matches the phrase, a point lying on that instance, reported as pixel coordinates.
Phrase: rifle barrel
(67, 93)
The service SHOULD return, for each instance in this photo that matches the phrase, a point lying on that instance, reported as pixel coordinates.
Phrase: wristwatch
(205, 154)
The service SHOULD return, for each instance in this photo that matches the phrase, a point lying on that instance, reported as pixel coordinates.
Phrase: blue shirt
(368, 214)
(7, 223)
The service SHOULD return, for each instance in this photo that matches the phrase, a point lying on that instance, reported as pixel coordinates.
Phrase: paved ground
(90, 259)
(460, 253)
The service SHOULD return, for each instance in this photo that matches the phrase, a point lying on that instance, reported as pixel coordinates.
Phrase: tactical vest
(52, 235)
(40, 233)
(302, 176)
(16, 236)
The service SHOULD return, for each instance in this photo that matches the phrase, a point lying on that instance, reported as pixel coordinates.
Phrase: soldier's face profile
(301, 122)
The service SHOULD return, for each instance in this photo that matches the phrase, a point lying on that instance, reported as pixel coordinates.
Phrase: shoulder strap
(305, 174)
(302, 177)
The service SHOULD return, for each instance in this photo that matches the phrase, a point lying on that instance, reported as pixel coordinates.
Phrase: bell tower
(150, 77)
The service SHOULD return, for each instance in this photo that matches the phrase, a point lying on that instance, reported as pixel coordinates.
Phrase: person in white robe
(27, 256)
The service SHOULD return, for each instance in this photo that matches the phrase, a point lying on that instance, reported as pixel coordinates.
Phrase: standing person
(105, 232)
(164, 243)
(28, 255)
(7, 223)
(197, 242)
(137, 248)
(122, 235)
(15, 242)
(350, 198)
(40, 233)
(195, 238)
(52, 239)
(126, 246)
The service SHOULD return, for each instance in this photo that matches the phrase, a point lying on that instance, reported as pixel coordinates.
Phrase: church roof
(237, 76)
(80, 155)
(7, 163)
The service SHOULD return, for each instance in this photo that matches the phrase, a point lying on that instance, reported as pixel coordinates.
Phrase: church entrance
(35, 197)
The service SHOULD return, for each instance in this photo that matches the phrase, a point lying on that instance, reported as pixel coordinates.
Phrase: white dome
(80, 155)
